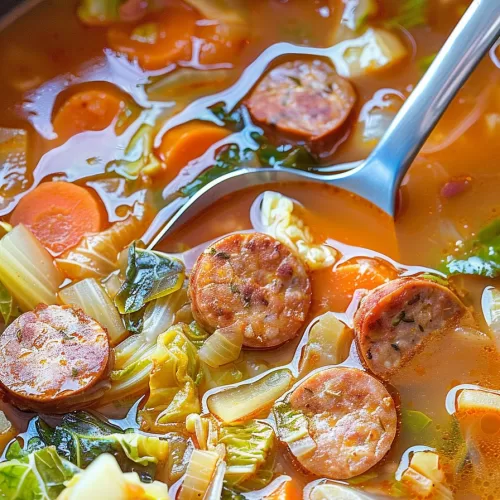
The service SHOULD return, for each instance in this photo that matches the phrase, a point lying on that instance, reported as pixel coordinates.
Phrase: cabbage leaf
(81, 438)
(173, 380)
(150, 275)
(39, 475)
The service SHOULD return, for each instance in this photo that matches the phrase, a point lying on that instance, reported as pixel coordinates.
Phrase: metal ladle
(377, 178)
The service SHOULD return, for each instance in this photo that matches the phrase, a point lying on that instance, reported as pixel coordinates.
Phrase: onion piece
(249, 398)
(90, 296)
(27, 269)
(222, 347)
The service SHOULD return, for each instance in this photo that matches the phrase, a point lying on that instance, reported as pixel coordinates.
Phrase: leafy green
(249, 454)
(35, 476)
(292, 424)
(415, 421)
(436, 278)
(363, 478)
(173, 381)
(150, 275)
(8, 307)
(233, 120)
(410, 13)
(285, 155)
(228, 159)
(196, 334)
(479, 256)
(81, 438)
(138, 157)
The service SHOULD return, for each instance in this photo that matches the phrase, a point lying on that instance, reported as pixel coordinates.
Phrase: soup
(291, 341)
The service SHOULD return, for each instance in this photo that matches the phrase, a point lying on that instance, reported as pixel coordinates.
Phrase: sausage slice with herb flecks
(394, 320)
(51, 358)
(305, 98)
(253, 280)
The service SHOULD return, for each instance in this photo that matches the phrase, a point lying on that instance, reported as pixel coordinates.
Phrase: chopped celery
(173, 381)
(410, 13)
(249, 398)
(375, 50)
(90, 296)
(30, 275)
(199, 474)
(248, 447)
(222, 347)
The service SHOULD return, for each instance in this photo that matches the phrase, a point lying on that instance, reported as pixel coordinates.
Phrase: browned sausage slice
(52, 355)
(394, 320)
(351, 417)
(305, 98)
(254, 280)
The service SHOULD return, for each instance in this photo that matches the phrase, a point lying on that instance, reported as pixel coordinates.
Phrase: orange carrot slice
(288, 490)
(187, 142)
(155, 44)
(59, 214)
(84, 111)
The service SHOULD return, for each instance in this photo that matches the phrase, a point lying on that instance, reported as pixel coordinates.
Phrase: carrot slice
(288, 490)
(59, 214)
(187, 142)
(84, 111)
(338, 286)
(157, 43)
(222, 42)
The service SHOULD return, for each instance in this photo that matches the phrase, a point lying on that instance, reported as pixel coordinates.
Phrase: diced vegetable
(471, 400)
(104, 479)
(425, 476)
(7, 431)
(287, 489)
(81, 437)
(375, 50)
(249, 398)
(173, 381)
(248, 446)
(30, 275)
(90, 296)
(59, 214)
(138, 158)
(222, 347)
(41, 475)
(185, 85)
(8, 307)
(133, 356)
(331, 491)
(217, 377)
(225, 11)
(96, 12)
(328, 343)
(357, 12)
(13, 164)
(275, 217)
(479, 256)
(96, 255)
(293, 429)
(411, 13)
(150, 275)
(200, 471)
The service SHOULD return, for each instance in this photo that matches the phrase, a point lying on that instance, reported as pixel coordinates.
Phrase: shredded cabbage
(173, 380)
(222, 347)
(278, 220)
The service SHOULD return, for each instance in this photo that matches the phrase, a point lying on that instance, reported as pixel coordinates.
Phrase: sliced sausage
(395, 319)
(305, 98)
(254, 280)
(51, 357)
(351, 417)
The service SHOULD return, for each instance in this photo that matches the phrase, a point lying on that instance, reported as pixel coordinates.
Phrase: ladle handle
(379, 179)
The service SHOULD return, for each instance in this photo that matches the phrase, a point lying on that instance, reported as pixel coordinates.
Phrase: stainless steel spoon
(377, 178)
